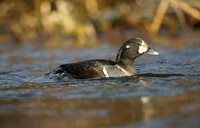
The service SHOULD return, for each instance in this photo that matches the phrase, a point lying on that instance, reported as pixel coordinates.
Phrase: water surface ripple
(164, 93)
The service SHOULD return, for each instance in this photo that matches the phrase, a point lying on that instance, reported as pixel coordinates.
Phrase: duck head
(134, 48)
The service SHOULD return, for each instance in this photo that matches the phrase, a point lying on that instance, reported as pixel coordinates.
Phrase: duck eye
(138, 44)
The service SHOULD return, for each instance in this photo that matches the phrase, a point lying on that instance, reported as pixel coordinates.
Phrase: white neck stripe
(123, 70)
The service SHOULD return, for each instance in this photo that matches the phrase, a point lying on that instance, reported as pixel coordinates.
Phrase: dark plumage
(85, 69)
(123, 66)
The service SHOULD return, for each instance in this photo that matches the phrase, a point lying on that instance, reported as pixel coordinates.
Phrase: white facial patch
(127, 46)
(142, 42)
(142, 49)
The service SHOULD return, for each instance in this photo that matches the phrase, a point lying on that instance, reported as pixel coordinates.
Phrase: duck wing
(85, 69)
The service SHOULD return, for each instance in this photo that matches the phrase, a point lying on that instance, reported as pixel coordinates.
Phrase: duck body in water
(122, 66)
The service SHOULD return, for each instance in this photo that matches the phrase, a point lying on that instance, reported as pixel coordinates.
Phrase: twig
(186, 8)
(159, 16)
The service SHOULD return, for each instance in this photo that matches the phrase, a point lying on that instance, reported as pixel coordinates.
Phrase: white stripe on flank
(123, 70)
(105, 72)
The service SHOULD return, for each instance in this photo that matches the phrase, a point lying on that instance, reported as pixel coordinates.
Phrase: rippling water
(164, 93)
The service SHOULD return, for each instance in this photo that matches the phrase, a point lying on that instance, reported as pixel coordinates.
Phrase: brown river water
(165, 93)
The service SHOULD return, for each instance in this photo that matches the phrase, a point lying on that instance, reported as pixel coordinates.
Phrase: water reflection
(100, 112)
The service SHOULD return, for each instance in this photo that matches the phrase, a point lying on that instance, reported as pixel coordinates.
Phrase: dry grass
(178, 7)
(85, 19)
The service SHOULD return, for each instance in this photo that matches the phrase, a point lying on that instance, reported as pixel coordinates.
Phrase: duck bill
(151, 52)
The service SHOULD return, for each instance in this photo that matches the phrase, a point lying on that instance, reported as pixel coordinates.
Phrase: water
(165, 93)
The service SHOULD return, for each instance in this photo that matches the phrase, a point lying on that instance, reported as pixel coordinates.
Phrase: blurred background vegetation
(23, 21)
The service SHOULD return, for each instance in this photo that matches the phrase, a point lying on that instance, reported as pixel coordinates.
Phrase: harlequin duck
(122, 66)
